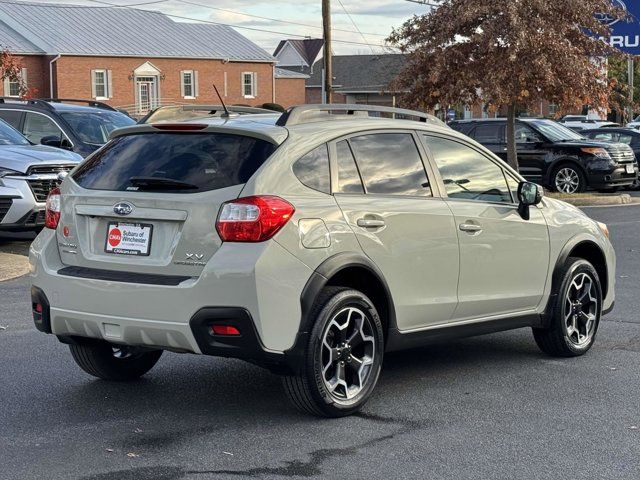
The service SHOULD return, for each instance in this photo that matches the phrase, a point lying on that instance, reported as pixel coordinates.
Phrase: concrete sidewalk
(12, 266)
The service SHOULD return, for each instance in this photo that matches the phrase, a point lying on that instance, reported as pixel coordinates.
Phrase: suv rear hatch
(148, 201)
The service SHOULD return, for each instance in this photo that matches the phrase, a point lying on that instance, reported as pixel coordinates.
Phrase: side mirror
(51, 141)
(528, 194)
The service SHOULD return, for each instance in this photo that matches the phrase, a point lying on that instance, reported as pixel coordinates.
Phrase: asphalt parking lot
(488, 407)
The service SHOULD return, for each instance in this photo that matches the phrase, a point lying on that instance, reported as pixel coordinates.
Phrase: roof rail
(90, 103)
(31, 101)
(308, 113)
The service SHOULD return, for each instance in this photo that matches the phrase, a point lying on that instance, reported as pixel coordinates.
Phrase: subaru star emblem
(610, 20)
(123, 208)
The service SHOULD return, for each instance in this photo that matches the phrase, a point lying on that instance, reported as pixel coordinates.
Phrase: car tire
(575, 313)
(114, 362)
(343, 356)
(568, 178)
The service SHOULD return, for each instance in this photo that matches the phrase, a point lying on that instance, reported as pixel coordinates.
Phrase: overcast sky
(374, 18)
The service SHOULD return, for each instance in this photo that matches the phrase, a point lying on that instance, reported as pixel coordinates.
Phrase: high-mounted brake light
(179, 127)
(253, 219)
(52, 212)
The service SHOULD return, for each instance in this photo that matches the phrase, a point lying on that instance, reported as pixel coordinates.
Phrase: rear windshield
(201, 161)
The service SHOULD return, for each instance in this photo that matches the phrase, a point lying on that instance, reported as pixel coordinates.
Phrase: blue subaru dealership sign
(625, 34)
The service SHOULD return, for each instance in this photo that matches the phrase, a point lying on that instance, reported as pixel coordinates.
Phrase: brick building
(136, 59)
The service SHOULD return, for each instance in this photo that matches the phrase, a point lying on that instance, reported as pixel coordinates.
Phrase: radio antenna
(226, 110)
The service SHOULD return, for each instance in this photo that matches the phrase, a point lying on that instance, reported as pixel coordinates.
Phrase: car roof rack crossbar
(309, 113)
(28, 101)
(90, 103)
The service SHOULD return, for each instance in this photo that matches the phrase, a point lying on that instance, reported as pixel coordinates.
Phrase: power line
(274, 32)
(354, 24)
(272, 19)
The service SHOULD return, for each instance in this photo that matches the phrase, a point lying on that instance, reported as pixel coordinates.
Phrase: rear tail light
(253, 219)
(52, 212)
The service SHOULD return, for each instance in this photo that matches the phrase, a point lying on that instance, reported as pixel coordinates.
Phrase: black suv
(556, 157)
(81, 126)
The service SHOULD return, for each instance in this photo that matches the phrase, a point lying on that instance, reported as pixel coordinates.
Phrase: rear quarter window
(208, 161)
(313, 169)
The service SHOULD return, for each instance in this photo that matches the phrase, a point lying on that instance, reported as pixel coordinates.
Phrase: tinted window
(206, 160)
(348, 177)
(10, 136)
(628, 139)
(390, 164)
(12, 117)
(37, 126)
(467, 173)
(94, 128)
(489, 133)
(313, 169)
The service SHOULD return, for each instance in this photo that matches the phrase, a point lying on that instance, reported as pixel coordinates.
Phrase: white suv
(310, 244)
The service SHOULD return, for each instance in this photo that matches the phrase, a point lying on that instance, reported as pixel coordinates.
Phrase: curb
(591, 200)
(13, 266)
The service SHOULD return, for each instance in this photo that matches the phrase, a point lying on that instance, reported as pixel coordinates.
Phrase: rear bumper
(262, 280)
(616, 178)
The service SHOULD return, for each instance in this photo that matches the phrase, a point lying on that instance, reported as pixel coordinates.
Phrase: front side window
(466, 173)
(249, 84)
(313, 169)
(526, 134)
(390, 164)
(348, 177)
(174, 162)
(37, 126)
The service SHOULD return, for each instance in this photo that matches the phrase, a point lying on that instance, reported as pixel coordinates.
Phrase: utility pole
(328, 71)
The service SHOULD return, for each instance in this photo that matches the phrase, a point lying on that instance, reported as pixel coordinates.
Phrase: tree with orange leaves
(508, 53)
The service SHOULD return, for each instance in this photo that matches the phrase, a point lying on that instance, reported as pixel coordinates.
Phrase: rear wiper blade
(160, 183)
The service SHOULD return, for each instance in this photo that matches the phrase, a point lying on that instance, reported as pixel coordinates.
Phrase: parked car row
(39, 139)
(558, 158)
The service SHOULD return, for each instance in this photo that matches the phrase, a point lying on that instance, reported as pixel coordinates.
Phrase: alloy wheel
(348, 353)
(581, 310)
(567, 180)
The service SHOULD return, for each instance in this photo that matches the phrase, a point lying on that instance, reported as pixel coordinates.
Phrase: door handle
(470, 228)
(370, 223)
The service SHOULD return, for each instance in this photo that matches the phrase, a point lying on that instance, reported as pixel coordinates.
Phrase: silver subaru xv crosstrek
(311, 244)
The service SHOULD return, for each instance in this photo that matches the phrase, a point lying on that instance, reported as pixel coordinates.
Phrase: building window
(249, 87)
(101, 84)
(13, 88)
(553, 109)
(189, 83)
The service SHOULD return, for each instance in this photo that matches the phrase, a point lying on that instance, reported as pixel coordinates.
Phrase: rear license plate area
(128, 238)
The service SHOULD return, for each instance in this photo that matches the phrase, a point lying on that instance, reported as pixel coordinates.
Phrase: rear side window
(205, 161)
(12, 117)
(490, 133)
(348, 177)
(313, 169)
(390, 164)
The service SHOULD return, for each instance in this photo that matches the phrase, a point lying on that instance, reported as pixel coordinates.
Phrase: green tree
(508, 53)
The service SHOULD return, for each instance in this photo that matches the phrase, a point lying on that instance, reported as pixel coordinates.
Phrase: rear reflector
(52, 212)
(227, 330)
(253, 219)
(179, 127)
